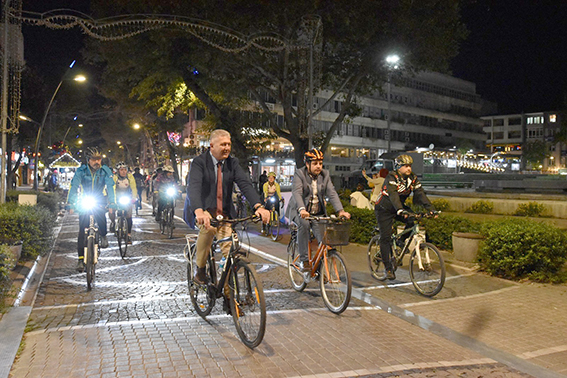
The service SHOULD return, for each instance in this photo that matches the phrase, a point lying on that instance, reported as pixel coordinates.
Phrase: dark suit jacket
(202, 188)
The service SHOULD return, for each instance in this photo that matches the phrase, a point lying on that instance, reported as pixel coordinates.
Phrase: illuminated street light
(392, 63)
(136, 126)
(78, 78)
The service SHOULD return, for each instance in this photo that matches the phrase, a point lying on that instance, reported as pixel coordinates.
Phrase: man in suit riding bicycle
(211, 180)
(390, 205)
(311, 185)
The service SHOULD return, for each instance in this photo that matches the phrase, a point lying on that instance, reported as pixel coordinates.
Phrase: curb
(13, 323)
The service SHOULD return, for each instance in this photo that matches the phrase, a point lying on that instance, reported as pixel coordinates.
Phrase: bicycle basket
(334, 233)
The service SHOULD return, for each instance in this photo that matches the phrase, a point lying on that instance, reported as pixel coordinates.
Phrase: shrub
(439, 230)
(363, 223)
(481, 207)
(48, 200)
(441, 204)
(530, 209)
(31, 224)
(519, 248)
(6, 262)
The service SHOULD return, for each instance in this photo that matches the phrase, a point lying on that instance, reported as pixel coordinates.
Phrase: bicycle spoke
(335, 282)
(427, 270)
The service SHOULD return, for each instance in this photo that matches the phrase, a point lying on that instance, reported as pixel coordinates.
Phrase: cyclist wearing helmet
(163, 181)
(93, 178)
(124, 185)
(311, 185)
(390, 205)
(272, 194)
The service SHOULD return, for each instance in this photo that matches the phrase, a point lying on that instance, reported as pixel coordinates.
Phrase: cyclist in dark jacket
(93, 178)
(390, 205)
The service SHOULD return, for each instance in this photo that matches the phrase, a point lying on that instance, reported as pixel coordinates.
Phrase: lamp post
(391, 63)
(78, 78)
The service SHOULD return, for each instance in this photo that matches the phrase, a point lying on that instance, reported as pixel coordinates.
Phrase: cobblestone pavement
(138, 321)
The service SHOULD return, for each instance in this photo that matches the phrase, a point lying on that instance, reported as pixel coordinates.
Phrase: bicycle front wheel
(89, 264)
(247, 303)
(202, 296)
(169, 222)
(375, 262)
(274, 225)
(335, 281)
(297, 281)
(122, 236)
(427, 270)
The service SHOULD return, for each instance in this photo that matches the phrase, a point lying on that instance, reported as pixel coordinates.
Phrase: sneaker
(103, 242)
(129, 239)
(304, 266)
(113, 227)
(390, 274)
(80, 265)
(200, 276)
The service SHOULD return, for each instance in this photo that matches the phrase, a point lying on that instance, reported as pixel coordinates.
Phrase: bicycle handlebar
(332, 218)
(220, 219)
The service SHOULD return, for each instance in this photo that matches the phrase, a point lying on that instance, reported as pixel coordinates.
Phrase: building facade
(510, 134)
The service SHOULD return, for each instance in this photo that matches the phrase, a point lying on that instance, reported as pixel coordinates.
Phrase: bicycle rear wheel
(297, 281)
(427, 270)
(202, 296)
(122, 236)
(274, 225)
(335, 281)
(375, 262)
(89, 263)
(247, 303)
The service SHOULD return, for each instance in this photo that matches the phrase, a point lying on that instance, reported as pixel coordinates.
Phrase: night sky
(516, 52)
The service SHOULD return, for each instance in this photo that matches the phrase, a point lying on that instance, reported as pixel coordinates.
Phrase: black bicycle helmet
(93, 152)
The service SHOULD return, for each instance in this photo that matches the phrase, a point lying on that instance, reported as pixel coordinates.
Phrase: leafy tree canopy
(349, 40)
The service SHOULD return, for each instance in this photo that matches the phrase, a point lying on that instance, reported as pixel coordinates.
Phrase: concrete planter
(15, 248)
(466, 245)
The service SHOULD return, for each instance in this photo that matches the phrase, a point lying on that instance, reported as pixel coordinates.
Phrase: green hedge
(439, 230)
(48, 200)
(31, 224)
(520, 248)
(6, 262)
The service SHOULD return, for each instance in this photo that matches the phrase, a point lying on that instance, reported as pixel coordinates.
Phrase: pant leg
(83, 223)
(204, 242)
(385, 223)
(303, 236)
(100, 217)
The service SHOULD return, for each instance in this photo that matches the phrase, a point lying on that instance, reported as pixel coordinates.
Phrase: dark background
(516, 52)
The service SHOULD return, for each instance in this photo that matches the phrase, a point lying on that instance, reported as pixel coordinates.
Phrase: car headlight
(171, 192)
(88, 202)
(124, 200)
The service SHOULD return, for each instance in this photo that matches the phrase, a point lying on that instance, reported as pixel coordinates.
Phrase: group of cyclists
(311, 189)
(99, 181)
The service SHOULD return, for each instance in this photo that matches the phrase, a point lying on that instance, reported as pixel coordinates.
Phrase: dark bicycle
(245, 300)
(166, 223)
(426, 265)
(124, 203)
(272, 228)
(87, 205)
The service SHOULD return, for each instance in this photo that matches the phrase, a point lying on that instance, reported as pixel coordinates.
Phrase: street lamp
(78, 78)
(391, 64)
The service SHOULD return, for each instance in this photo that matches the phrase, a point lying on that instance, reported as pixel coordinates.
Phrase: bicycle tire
(295, 276)
(170, 221)
(202, 296)
(90, 265)
(274, 225)
(428, 277)
(375, 262)
(122, 236)
(247, 303)
(335, 282)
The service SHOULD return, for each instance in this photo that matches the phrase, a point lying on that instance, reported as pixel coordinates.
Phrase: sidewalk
(512, 330)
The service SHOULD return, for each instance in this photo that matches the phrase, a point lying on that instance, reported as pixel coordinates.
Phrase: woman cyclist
(272, 194)
(124, 185)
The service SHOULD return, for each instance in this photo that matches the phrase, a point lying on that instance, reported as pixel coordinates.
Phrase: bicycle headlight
(88, 202)
(171, 192)
(124, 200)
(272, 199)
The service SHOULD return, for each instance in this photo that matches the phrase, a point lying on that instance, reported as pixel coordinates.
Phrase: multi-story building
(509, 134)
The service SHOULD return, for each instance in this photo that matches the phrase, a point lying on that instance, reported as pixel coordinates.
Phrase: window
(499, 135)
(553, 118)
(515, 121)
(499, 122)
(514, 134)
